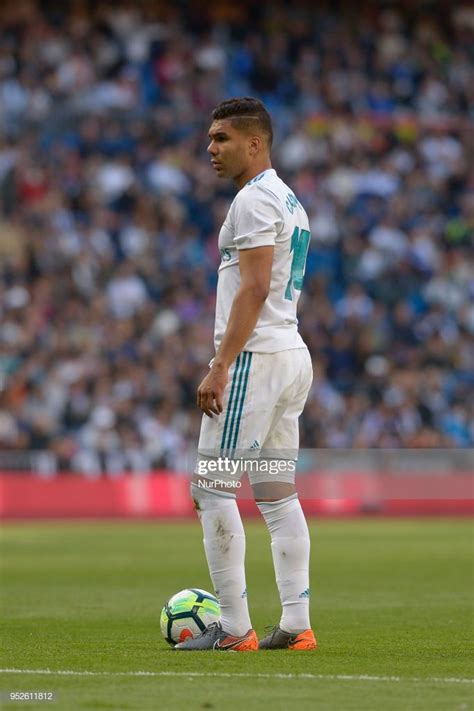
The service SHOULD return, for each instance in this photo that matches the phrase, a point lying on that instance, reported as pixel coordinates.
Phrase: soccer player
(256, 387)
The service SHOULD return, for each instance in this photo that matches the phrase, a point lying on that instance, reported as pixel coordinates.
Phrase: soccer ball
(187, 614)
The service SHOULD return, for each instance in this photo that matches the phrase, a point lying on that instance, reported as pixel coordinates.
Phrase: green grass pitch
(391, 600)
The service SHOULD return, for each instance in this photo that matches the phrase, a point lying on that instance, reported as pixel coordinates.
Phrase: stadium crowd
(110, 213)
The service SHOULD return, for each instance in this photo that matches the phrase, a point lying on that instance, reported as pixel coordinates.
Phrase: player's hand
(210, 393)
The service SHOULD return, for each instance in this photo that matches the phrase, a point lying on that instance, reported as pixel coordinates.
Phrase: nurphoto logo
(211, 484)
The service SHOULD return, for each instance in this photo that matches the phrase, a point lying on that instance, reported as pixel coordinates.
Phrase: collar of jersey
(260, 176)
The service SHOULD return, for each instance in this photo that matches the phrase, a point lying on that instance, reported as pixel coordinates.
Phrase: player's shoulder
(267, 181)
(266, 187)
(270, 183)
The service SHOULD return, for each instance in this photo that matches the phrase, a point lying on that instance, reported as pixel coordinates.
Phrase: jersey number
(299, 247)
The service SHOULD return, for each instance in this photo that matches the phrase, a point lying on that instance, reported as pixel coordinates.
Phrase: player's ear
(255, 143)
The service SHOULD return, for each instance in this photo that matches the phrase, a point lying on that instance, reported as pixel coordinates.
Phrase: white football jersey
(265, 212)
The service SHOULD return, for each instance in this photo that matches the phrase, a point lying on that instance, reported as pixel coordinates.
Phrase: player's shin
(224, 544)
(290, 550)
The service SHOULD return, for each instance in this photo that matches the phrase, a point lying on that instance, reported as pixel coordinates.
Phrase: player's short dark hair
(246, 114)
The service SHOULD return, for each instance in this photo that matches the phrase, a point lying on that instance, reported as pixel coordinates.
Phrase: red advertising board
(166, 495)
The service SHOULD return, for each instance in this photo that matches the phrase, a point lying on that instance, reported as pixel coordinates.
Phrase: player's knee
(273, 491)
(195, 500)
(196, 495)
(206, 495)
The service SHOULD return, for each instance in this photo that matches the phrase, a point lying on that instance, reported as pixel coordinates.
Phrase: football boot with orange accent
(217, 639)
(298, 641)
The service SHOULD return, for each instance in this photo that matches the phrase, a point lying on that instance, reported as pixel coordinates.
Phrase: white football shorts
(258, 427)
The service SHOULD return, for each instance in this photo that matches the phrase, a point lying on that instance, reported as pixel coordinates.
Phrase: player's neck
(252, 172)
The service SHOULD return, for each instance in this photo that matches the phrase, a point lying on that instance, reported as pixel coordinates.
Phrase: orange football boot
(279, 639)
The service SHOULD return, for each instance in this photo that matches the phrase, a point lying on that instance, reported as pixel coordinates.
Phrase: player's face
(229, 149)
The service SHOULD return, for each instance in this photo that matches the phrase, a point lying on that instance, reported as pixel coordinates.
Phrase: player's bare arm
(255, 267)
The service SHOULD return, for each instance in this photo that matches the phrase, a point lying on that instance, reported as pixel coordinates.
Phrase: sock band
(274, 504)
(201, 492)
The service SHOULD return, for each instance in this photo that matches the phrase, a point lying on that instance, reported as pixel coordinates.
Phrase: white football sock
(290, 551)
(224, 544)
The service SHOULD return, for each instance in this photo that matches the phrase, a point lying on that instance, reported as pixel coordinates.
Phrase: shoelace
(269, 629)
(209, 628)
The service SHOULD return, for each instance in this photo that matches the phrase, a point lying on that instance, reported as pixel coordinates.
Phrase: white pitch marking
(227, 675)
